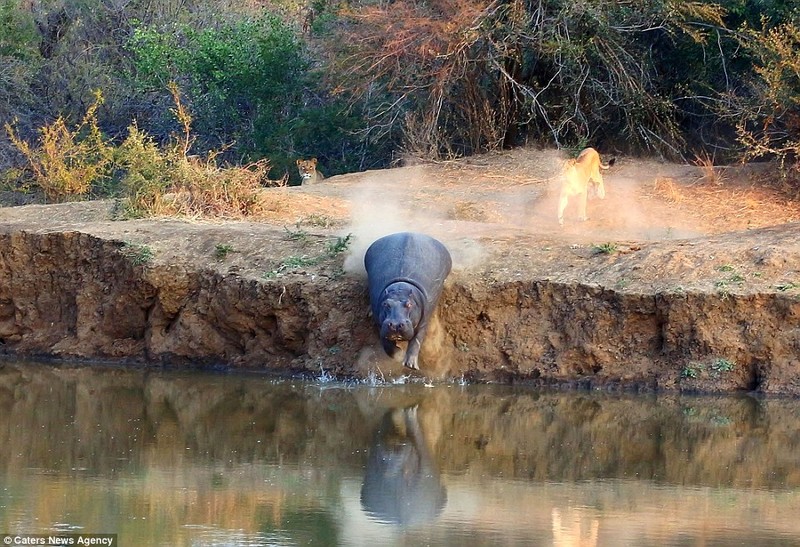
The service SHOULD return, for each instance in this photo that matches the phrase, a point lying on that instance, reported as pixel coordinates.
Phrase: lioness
(308, 171)
(577, 174)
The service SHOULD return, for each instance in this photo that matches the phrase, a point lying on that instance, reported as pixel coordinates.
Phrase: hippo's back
(410, 257)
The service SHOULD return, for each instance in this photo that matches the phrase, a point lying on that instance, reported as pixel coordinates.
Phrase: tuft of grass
(222, 250)
(709, 173)
(723, 285)
(340, 245)
(605, 248)
(333, 249)
(692, 369)
(736, 278)
(723, 290)
(722, 365)
(296, 235)
(138, 254)
(318, 221)
(294, 262)
(783, 287)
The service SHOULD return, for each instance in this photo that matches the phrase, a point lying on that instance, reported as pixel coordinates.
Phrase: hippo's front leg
(411, 360)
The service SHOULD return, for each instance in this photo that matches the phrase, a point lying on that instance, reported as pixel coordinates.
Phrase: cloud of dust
(384, 203)
(623, 214)
(629, 214)
(543, 210)
(408, 199)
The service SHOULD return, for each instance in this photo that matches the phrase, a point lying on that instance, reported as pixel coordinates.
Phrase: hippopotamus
(406, 272)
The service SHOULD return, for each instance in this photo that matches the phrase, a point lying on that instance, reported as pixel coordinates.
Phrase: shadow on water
(178, 458)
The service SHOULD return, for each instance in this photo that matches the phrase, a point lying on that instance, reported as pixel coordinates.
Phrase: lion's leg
(582, 204)
(562, 204)
(601, 189)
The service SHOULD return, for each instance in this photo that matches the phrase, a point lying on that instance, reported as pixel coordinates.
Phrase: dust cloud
(629, 210)
(389, 202)
(470, 207)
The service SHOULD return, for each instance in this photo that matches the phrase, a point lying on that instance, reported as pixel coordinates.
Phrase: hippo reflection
(402, 484)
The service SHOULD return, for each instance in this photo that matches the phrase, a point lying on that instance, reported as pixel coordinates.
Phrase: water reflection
(578, 528)
(191, 458)
(402, 484)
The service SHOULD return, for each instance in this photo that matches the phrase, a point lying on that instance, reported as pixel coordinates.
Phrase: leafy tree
(251, 88)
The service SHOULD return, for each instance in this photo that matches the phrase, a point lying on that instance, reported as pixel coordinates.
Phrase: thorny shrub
(172, 182)
(68, 162)
(71, 163)
(769, 118)
(473, 75)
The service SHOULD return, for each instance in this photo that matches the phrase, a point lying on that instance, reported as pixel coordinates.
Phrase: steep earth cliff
(681, 279)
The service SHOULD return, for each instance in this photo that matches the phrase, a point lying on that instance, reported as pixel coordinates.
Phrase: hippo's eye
(409, 304)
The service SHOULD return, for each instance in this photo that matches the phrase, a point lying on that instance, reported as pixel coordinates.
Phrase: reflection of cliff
(174, 450)
(114, 420)
(402, 484)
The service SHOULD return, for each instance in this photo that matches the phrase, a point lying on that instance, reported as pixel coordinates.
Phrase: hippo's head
(400, 311)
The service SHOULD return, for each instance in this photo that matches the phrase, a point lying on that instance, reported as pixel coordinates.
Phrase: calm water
(165, 458)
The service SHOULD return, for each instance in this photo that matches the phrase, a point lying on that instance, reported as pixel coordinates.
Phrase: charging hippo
(406, 272)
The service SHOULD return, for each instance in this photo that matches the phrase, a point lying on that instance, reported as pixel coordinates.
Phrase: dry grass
(235, 193)
(468, 210)
(665, 188)
(728, 205)
(285, 206)
(709, 173)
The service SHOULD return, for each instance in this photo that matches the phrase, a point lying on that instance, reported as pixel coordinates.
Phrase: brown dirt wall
(655, 292)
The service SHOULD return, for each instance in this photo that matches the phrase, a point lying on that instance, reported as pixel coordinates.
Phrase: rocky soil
(684, 278)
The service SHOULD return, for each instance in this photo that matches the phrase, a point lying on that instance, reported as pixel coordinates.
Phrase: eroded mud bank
(70, 294)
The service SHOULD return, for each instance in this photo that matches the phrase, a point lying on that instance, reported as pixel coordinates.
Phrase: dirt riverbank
(682, 278)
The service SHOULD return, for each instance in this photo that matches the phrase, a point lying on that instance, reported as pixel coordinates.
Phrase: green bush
(18, 38)
(242, 79)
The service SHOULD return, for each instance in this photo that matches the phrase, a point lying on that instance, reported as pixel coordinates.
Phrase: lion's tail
(610, 163)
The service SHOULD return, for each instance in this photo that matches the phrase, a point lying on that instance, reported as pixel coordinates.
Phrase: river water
(198, 458)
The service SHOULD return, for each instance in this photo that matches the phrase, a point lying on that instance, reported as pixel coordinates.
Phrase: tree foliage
(769, 115)
(474, 75)
(358, 82)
